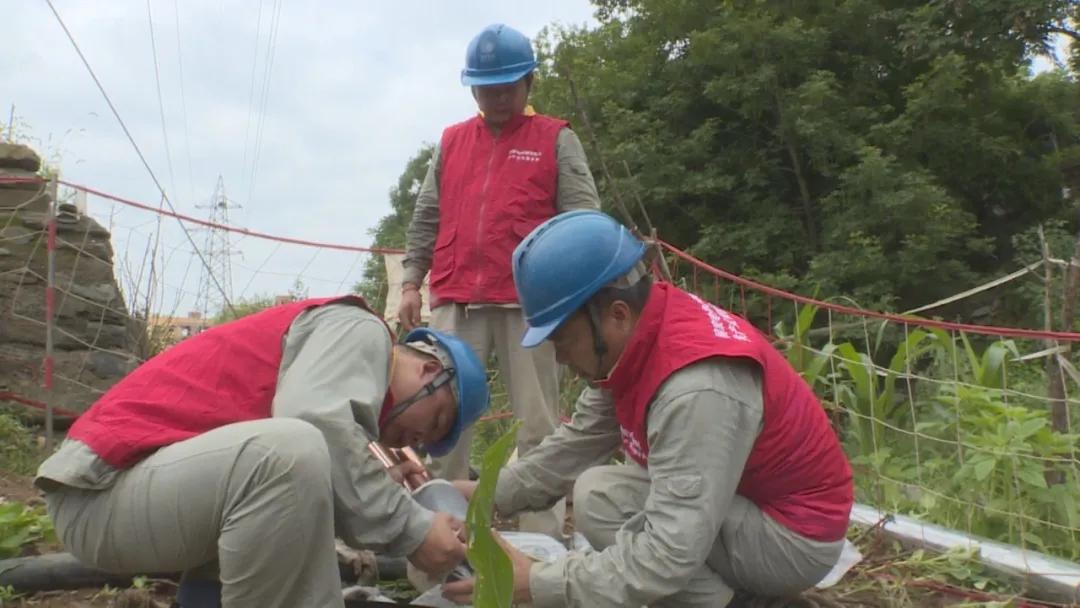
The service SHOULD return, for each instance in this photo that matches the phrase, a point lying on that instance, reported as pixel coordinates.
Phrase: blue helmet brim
(535, 335)
(496, 78)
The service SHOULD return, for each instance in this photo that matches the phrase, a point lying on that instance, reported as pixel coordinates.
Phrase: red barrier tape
(59, 411)
(987, 330)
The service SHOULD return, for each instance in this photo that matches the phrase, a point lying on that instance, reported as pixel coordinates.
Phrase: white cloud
(356, 89)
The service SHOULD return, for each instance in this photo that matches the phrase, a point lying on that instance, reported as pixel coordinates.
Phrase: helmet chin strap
(599, 346)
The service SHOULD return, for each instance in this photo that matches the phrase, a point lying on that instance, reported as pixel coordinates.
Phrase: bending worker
(244, 450)
(734, 479)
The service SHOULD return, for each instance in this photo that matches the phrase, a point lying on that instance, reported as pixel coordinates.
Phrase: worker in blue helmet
(239, 454)
(734, 481)
(492, 179)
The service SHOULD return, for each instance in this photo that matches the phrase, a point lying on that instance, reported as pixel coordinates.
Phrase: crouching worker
(245, 448)
(734, 479)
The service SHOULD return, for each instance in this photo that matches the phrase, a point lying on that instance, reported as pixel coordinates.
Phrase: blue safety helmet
(498, 55)
(564, 261)
(469, 376)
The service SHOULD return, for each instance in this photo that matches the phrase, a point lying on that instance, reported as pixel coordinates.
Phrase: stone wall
(93, 327)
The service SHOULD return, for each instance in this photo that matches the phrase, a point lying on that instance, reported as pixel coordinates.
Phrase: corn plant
(871, 396)
(494, 572)
(810, 364)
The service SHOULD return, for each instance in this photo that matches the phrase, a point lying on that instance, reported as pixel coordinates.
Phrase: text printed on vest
(723, 323)
(529, 156)
(632, 445)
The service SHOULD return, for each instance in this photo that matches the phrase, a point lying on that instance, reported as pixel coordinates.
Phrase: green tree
(249, 306)
(390, 232)
(878, 148)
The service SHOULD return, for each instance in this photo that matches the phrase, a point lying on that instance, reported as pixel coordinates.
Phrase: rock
(110, 366)
(84, 227)
(19, 179)
(17, 330)
(108, 335)
(18, 156)
(17, 235)
(94, 336)
(104, 293)
(23, 197)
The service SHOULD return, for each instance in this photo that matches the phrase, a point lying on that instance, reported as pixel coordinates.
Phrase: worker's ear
(622, 317)
(431, 367)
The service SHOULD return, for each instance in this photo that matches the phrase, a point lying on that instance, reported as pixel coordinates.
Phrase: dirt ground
(160, 597)
(18, 488)
(874, 583)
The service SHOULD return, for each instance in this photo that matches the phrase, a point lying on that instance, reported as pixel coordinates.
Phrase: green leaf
(973, 359)
(984, 467)
(1030, 427)
(494, 572)
(805, 321)
(1032, 475)
(814, 369)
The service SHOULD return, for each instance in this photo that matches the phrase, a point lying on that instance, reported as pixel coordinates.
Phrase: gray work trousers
(531, 377)
(253, 496)
(752, 552)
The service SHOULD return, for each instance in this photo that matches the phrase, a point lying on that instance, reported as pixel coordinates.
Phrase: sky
(308, 110)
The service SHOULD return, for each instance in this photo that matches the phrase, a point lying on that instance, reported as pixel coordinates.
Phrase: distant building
(285, 299)
(175, 329)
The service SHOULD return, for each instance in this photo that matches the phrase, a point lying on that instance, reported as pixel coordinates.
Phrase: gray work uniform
(530, 375)
(263, 498)
(675, 534)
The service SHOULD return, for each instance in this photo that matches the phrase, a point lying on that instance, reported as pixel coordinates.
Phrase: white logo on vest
(529, 156)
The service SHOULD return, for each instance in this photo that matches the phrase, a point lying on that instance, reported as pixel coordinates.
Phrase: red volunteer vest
(796, 472)
(224, 375)
(492, 192)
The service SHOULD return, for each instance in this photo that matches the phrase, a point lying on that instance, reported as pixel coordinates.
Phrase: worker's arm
(424, 226)
(577, 189)
(539, 479)
(701, 427)
(334, 373)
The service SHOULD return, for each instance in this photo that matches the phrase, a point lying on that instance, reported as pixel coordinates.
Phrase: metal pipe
(379, 452)
(1046, 577)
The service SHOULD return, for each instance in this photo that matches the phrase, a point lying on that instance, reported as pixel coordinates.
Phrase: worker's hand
(409, 309)
(405, 468)
(461, 592)
(466, 487)
(442, 548)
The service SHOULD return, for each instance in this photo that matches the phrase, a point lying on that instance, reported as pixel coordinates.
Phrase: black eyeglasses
(444, 377)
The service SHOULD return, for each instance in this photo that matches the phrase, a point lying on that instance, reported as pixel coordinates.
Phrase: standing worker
(245, 450)
(492, 179)
(734, 478)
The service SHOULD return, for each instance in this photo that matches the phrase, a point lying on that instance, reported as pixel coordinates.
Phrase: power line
(183, 101)
(138, 151)
(168, 158)
(160, 100)
(268, 65)
(251, 89)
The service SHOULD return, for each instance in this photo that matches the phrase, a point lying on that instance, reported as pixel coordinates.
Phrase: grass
(897, 577)
(19, 452)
